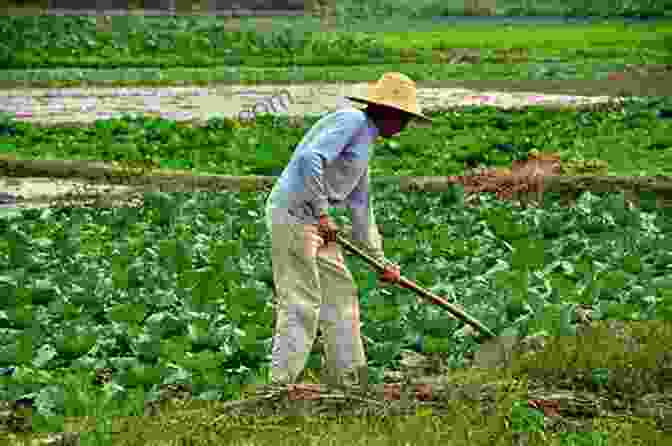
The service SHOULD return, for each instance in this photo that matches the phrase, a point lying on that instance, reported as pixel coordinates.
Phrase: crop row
(498, 74)
(633, 139)
(53, 41)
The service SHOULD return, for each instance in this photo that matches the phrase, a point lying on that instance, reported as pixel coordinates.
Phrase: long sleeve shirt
(330, 168)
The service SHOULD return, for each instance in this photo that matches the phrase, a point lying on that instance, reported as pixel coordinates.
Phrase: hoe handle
(405, 283)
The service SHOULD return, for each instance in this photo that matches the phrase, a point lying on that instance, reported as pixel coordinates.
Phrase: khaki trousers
(314, 289)
(321, 8)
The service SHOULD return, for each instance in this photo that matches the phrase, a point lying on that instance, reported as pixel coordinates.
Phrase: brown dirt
(524, 177)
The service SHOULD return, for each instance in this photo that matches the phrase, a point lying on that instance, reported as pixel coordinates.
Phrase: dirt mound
(523, 182)
(524, 177)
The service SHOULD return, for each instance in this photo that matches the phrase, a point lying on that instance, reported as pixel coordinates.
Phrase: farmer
(329, 168)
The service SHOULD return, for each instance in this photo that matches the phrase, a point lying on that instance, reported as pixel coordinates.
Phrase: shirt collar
(373, 129)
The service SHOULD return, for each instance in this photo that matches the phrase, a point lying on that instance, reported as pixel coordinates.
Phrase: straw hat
(394, 90)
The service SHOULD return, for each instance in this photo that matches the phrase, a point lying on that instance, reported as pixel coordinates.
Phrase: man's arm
(328, 144)
(364, 227)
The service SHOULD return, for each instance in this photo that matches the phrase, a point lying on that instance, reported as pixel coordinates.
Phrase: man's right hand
(327, 229)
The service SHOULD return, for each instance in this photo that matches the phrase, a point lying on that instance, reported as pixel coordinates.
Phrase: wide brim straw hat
(394, 90)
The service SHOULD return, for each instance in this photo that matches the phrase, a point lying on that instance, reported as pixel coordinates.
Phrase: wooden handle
(381, 264)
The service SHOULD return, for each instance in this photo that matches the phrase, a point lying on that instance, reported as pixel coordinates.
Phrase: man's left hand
(392, 274)
(327, 229)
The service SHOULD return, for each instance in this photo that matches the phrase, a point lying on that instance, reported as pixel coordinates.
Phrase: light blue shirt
(330, 168)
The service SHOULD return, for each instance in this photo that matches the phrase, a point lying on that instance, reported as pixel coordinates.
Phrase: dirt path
(85, 105)
(49, 192)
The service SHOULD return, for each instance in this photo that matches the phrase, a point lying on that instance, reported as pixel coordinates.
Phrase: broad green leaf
(528, 254)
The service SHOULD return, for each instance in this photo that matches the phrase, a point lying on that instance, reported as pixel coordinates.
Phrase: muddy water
(78, 105)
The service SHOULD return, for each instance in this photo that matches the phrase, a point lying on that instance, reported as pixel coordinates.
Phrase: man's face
(392, 122)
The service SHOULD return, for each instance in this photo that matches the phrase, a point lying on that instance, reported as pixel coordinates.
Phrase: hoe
(492, 350)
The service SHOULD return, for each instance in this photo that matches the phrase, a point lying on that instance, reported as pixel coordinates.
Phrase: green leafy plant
(525, 419)
(584, 139)
(182, 287)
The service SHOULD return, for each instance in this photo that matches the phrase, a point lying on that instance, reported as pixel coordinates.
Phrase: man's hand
(392, 274)
(327, 229)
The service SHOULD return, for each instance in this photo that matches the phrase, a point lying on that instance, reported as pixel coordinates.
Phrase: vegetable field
(153, 324)
(59, 51)
(634, 138)
(178, 291)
